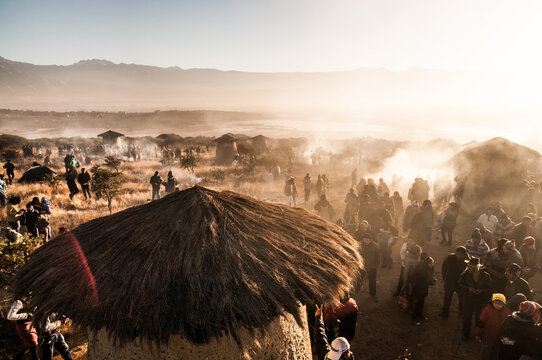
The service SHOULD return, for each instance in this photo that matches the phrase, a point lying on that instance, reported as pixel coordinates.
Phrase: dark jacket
(170, 185)
(466, 281)
(452, 268)
(156, 181)
(421, 278)
(371, 255)
(513, 342)
(520, 286)
(83, 178)
(321, 343)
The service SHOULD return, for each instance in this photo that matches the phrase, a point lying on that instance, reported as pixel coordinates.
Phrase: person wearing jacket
(84, 180)
(490, 324)
(421, 279)
(504, 226)
(171, 183)
(515, 340)
(347, 313)
(521, 231)
(307, 185)
(452, 268)
(474, 283)
(497, 261)
(156, 182)
(339, 349)
(27, 332)
(449, 221)
(13, 213)
(371, 259)
(53, 338)
(476, 247)
(31, 220)
(528, 253)
(515, 284)
(410, 255)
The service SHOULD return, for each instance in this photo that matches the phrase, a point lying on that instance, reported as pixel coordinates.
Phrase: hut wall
(283, 340)
(225, 153)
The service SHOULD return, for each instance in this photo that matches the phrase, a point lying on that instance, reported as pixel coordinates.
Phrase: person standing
(10, 170)
(476, 247)
(53, 338)
(398, 208)
(290, 190)
(452, 268)
(449, 221)
(307, 186)
(27, 332)
(474, 283)
(515, 340)
(156, 182)
(371, 258)
(421, 279)
(84, 180)
(171, 183)
(490, 324)
(515, 284)
(72, 186)
(3, 190)
(320, 186)
(31, 220)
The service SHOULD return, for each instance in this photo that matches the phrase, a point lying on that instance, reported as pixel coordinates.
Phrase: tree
(14, 255)
(106, 183)
(113, 162)
(189, 162)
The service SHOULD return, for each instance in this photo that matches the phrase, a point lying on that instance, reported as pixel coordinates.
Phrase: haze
(462, 69)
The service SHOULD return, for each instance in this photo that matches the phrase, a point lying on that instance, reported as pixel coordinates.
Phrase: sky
(278, 35)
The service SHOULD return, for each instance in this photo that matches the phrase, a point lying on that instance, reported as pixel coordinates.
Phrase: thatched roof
(199, 263)
(259, 138)
(110, 133)
(36, 174)
(226, 138)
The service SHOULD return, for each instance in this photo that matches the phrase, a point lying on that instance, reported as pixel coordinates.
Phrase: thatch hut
(199, 273)
(111, 137)
(226, 148)
(495, 170)
(260, 144)
(36, 174)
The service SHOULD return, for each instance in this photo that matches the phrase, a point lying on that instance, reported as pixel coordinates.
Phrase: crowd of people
(487, 271)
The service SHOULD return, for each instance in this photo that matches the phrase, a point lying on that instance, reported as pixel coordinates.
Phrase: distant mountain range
(103, 85)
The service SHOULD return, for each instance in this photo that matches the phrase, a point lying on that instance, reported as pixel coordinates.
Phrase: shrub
(106, 183)
(14, 255)
(113, 162)
(189, 162)
(218, 174)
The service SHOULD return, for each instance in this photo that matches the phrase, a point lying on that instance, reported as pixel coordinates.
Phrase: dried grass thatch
(198, 263)
(36, 174)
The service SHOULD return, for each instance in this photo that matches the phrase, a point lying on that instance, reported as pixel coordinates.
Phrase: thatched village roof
(110, 134)
(36, 174)
(259, 138)
(226, 138)
(198, 263)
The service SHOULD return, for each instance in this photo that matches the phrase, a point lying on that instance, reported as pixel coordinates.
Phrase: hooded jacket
(491, 321)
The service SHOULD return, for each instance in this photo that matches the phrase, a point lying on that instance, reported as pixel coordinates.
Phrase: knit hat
(510, 245)
(527, 308)
(476, 234)
(338, 347)
(499, 297)
(528, 241)
(514, 301)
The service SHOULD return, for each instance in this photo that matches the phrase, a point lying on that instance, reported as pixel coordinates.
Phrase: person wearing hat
(339, 349)
(371, 260)
(519, 334)
(489, 326)
(474, 283)
(452, 267)
(476, 246)
(515, 283)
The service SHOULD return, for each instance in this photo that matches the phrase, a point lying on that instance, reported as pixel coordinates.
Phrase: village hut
(111, 137)
(226, 149)
(259, 143)
(495, 170)
(198, 274)
(36, 174)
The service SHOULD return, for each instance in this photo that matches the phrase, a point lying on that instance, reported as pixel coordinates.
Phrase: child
(489, 326)
(46, 205)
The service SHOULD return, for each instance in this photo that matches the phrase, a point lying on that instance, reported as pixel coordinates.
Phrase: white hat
(338, 347)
